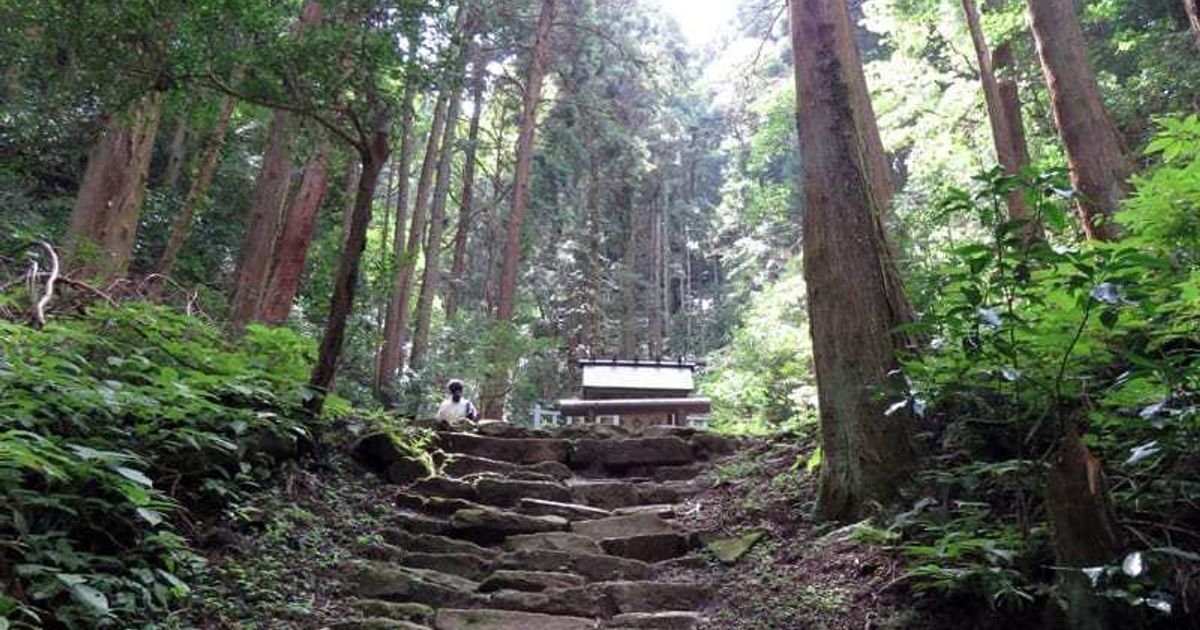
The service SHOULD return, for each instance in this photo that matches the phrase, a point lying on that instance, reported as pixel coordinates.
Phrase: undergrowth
(116, 428)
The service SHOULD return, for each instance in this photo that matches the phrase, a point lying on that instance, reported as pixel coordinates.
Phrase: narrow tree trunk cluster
(1099, 166)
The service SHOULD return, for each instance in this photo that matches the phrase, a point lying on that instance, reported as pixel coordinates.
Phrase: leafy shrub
(1029, 336)
(108, 424)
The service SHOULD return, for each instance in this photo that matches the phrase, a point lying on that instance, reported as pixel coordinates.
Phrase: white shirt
(450, 410)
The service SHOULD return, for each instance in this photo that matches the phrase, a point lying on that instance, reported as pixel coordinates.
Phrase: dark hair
(454, 384)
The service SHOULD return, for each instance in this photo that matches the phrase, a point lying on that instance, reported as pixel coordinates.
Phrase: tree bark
(854, 296)
(373, 156)
(1084, 530)
(1007, 154)
(198, 190)
(391, 319)
(595, 272)
(258, 243)
(391, 358)
(1193, 12)
(1099, 165)
(104, 222)
(270, 197)
(431, 274)
(176, 152)
(291, 252)
(462, 233)
(495, 389)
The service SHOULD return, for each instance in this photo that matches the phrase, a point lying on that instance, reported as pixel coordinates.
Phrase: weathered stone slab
(404, 611)
(626, 453)
(674, 620)
(377, 623)
(662, 510)
(569, 511)
(574, 602)
(630, 597)
(553, 541)
(493, 525)
(517, 451)
(426, 543)
(648, 547)
(443, 487)
(509, 492)
(448, 619)
(595, 567)
(608, 495)
(376, 581)
(622, 526)
(530, 581)
(466, 565)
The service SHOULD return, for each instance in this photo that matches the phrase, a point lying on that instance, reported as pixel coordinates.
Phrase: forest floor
(276, 560)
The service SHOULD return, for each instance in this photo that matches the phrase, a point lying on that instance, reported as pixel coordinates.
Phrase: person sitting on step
(456, 407)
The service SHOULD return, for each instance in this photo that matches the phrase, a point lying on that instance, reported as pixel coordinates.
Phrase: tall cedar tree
(1193, 12)
(855, 298)
(466, 207)
(198, 190)
(108, 206)
(496, 389)
(390, 326)
(291, 250)
(1099, 166)
(391, 355)
(1012, 158)
(431, 274)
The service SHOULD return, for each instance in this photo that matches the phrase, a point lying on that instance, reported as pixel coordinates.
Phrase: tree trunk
(656, 273)
(291, 252)
(595, 272)
(373, 156)
(1004, 65)
(854, 296)
(391, 356)
(198, 191)
(177, 151)
(1193, 12)
(629, 289)
(495, 389)
(258, 244)
(270, 197)
(1007, 154)
(1099, 166)
(431, 274)
(353, 174)
(104, 222)
(1084, 529)
(458, 268)
(391, 319)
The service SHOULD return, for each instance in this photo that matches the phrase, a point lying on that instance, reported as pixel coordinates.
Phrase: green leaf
(135, 476)
(90, 597)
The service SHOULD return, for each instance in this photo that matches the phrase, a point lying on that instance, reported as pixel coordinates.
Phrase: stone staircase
(533, 530)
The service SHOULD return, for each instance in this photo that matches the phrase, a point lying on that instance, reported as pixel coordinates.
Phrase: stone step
(649, 547)
(508, 492)
(595, 567)
(460, 465)
(622, 526)
(569, 511)
(399, 584)
(661, 510)
(465, 565)
(512, 450)
(379, 609)
(443, 487)
(614, 495)
(623, 454)
(428, 543)
(451, 619)
(640, 596)
(672, 620)
(377, 623)
(488, 525)
(553, 541)
(530, 581)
